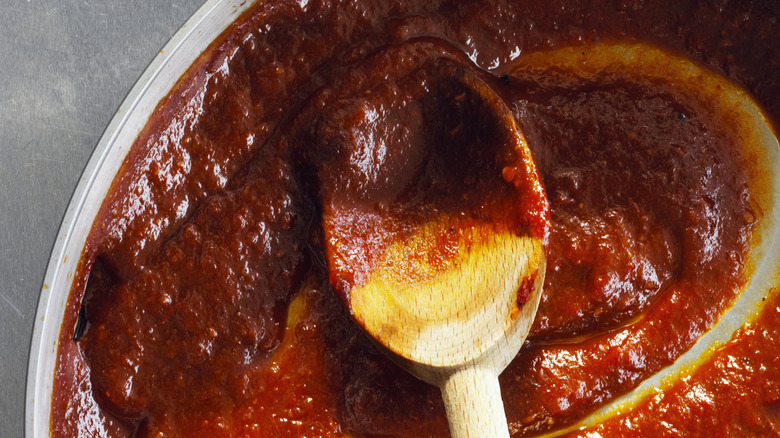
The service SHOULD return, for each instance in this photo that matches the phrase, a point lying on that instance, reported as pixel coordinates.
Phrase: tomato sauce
(203, 300)
(418, 142)
(735, 393)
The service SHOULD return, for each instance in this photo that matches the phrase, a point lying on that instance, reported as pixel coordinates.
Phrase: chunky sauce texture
(417, 143)
(203, 296)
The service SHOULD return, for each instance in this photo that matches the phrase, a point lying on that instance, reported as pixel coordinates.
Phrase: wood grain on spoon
(436, 242)
(427, 313)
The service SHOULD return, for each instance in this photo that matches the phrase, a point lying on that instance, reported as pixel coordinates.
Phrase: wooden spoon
(452, 287)
(459, 327)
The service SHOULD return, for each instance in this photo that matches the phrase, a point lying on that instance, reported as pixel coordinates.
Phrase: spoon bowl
(447, 276)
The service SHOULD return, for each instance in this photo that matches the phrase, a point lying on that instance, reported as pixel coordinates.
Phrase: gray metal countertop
(65, 67)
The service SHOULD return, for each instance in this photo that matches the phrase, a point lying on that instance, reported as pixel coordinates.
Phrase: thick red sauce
(213, 228)
(417, 142)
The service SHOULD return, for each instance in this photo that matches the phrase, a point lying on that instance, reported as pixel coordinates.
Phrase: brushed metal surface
(65, 67)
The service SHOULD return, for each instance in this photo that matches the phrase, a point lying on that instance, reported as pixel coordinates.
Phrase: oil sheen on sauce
(203, 287)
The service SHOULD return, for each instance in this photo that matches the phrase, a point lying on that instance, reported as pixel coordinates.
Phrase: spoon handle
(472, 397)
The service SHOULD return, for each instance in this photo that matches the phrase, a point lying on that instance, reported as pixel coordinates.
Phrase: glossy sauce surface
(415, 145)
(208, 303)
